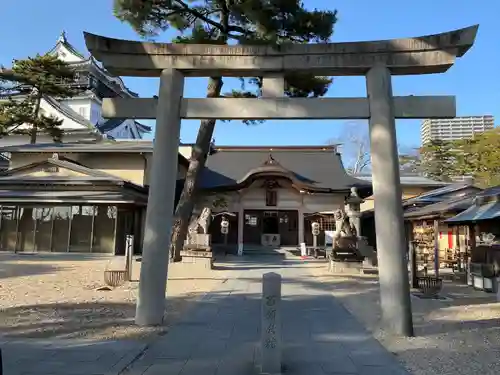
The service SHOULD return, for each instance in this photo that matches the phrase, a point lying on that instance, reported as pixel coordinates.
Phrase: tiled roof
(125, 146)
(478, 212)
(113, 123)
(411, 180)
(436, 195)
(317, 168)
(453, 205)
(103, 146)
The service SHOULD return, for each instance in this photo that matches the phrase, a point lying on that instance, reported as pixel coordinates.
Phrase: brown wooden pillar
(471, 240)
(457, 249)
(436, 247)
(412, 254)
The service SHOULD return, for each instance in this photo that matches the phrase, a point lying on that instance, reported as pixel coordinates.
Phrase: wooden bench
(429, 286)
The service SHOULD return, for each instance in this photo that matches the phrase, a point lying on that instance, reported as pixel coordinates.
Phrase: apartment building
(454, 128)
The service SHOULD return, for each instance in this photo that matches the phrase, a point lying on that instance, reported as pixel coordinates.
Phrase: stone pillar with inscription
(270, 351)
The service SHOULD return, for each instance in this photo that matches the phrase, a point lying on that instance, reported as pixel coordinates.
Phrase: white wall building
(81, 115)
(455, 128)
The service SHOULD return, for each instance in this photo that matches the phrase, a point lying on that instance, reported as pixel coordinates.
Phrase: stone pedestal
(198, 241)
(367, 251)
(270, 349)
(204, 259)
(347, 268)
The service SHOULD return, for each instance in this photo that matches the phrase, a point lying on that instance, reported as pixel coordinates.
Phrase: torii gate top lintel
(420, 55)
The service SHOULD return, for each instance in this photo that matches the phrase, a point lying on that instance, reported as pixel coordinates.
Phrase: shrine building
(61, 197)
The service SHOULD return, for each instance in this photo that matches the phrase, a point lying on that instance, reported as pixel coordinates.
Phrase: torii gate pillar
(150, 306)
(389, 223)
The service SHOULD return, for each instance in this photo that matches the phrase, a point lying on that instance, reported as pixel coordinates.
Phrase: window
(251, 220)
(82, 221)
(60, 229)
(43, 228)
(326, 223)
(38, 228)
(82, 111)
(8, 236)
(271, 198)
(104, 230)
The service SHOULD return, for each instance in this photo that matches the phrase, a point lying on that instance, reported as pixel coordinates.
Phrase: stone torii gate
(376, 60)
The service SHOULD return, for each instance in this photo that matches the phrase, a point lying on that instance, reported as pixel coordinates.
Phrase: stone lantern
(353, 209)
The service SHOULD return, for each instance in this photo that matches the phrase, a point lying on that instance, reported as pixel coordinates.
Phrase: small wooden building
(482, 218)
(76, 197)
(416, 203)
(435, 243)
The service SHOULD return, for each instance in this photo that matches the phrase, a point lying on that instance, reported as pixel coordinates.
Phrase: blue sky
(475, 79)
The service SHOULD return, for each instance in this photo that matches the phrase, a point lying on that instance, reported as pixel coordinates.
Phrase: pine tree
(23, 86)
(250, 22)
(479, 157)
(437, 160)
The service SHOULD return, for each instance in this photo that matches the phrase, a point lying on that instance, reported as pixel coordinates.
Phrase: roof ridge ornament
(271, 160)
(62, 37)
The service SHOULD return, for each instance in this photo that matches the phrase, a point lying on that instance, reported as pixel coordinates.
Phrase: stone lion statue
(345, 239)
(199, 224)
(343, 227)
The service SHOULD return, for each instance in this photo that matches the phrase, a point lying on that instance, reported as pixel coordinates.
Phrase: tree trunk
(196, 164)
(35, 117)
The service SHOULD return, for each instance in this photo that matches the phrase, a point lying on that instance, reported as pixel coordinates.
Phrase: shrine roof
(411, 180)
(309, 168)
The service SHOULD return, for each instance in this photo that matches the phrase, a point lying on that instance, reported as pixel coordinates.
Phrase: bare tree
(354, 142)
(354, 146)
(409, 159)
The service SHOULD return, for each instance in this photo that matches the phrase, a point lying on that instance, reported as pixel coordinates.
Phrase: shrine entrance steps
(257, 250)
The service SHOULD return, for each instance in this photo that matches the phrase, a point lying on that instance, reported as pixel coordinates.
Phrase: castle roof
(75, 58)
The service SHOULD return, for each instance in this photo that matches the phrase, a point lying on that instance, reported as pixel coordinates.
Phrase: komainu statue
(345, 239)
(343, 226)
(199, 224)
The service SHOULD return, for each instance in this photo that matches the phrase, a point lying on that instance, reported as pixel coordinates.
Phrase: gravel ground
(453, 337)
(55, 296)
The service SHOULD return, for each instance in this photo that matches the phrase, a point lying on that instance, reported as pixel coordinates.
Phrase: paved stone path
(68, 357)
(220, 335)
